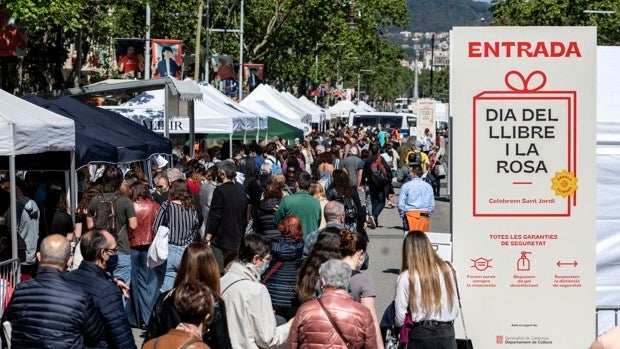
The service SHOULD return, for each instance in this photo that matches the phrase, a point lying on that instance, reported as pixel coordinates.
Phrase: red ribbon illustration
(517, 82)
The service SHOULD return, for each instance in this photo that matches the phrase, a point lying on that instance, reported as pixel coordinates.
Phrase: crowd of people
(266, 249)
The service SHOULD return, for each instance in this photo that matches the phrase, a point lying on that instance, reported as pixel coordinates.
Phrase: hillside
(442, 15)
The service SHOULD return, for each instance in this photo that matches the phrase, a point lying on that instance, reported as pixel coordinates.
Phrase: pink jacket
(311, 327)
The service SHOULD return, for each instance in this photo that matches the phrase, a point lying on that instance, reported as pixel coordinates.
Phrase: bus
(405, 122)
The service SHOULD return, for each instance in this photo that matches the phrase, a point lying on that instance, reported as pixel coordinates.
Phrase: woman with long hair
(325, 168)
(81, 212)
(426, 289)
(286, 258)
(353, 250)
(341, 190)
(317, 190)
(327, 246)
(144, 279)
(263, 213)
(197, 265)
(180, 215)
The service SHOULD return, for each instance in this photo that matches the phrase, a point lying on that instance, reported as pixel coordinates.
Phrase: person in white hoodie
(251, 322)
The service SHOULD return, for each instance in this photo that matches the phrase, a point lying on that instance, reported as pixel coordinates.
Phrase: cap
(291, 169)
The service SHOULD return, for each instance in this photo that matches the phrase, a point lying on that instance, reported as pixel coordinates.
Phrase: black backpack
(350, 211)
(104, 215)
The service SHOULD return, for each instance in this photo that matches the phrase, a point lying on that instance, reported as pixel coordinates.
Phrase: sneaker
(390, 204)
(371, 222)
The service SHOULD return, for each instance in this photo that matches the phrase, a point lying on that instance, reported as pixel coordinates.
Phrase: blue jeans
(435, 336)
(123, 268)
(167, 272)
(377, 199)
(144, 289)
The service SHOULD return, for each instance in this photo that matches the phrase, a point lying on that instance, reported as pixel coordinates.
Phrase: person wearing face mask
(353, 251)
(49, 312)
(99, 251)
(249, 313)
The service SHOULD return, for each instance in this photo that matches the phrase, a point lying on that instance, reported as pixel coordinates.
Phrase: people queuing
(255, 241)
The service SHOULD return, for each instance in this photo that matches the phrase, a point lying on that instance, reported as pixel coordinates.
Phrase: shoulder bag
(461, 343)
(158, 251)
(331, 320)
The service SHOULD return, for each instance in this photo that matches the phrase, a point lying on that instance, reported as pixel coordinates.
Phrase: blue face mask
(264, 268)
(112, 262)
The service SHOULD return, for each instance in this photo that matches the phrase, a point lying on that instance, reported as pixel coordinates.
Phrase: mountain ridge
(442, 15)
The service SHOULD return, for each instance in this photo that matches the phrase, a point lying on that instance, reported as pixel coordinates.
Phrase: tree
(561, 13)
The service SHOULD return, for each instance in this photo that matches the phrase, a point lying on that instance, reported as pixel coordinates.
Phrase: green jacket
(302, 205)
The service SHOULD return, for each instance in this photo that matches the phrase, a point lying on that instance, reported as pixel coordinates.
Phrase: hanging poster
(167, 58)
(524, 144)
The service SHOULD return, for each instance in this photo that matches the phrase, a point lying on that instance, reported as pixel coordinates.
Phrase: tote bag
(158, 251)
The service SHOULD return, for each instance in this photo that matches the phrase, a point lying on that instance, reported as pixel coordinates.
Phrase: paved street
(385, 249)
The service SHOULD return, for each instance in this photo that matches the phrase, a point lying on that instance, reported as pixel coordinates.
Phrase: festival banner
(524, 144)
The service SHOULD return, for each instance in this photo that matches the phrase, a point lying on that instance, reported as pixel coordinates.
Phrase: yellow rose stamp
(564, 183)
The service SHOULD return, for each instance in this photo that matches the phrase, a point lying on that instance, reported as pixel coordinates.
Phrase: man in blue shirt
(416, 202)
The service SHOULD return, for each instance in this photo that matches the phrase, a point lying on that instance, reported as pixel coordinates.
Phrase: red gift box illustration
(524, 149)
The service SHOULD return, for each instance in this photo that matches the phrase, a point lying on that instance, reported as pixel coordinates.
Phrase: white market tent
(33, 138)
(343, 109)
(211, 116)
(318, 114)
(273, 98)
(365, 107)
(280, 119)
(313, 106)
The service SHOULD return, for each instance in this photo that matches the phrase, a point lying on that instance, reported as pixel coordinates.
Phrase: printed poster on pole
(524, 145)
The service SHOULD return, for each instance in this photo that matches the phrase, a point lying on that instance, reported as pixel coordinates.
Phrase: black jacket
(227, 216)
(263, 218)
(164, 317)
(108, 300)
(49, 312)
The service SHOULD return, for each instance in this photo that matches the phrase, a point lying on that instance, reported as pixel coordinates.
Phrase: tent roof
(28, 129)
(96, 139)
(343, 107)
(214, 114)
(365, 107)
(39, 139)
(279, 124)
(266, 93)
(156, 144)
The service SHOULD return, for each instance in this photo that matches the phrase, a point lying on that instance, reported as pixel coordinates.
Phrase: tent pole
(13, 201)
(73, 185)
(230, 146)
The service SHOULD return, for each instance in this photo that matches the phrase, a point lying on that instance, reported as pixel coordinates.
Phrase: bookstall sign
(523, 134)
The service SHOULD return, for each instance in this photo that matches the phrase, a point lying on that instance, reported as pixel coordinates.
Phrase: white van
(406, 122)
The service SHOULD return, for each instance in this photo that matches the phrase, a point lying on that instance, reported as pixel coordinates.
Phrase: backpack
(378, 173)
(104, 215)
(350, 211)
(275, 166)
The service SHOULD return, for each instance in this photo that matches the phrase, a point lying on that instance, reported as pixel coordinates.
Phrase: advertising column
(524, 231)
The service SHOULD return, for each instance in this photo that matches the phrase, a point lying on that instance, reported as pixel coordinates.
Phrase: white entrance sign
(524, 133)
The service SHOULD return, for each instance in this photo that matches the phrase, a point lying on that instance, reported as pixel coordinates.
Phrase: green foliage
(561, 13)
(441, 84)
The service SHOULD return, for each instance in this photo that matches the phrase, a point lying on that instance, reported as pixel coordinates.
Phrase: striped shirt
(184, 223)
